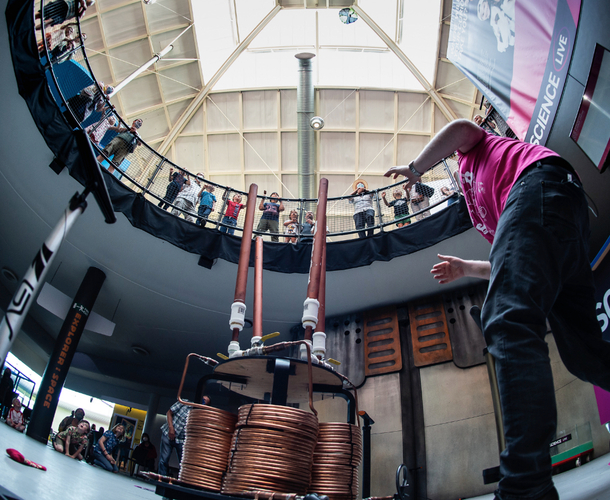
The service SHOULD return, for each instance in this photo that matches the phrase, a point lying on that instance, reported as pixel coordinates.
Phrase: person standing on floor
(173, 433)
(529, 203)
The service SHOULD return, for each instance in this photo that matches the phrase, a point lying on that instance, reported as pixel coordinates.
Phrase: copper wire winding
(206, 448)
(271, 450)
(335, 461)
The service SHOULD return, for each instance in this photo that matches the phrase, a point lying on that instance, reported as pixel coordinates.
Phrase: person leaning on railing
(270, 220)
(364, 213)
(58, 11)
(123, 144)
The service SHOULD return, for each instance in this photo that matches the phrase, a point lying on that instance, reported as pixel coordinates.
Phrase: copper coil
(280, 431)
(271, 440)
(235, 460)
(245, 482)
(278, 469)
(203, 481)
(323, 460)
(269, 495)
(272, 449)
(249, 414)
(206, 448)
(336, 459)
(212, 465)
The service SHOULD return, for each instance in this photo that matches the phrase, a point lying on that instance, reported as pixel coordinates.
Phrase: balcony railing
(85, 104)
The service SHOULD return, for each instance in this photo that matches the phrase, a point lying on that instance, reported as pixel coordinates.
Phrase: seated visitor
(401, 207)
(73, 441)
(292, 227)
(231, 214)
(270, 220)
(145, 453)
(102, 453)
(72, 420)
(14, 418)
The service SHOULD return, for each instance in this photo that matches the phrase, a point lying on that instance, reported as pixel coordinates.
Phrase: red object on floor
(18, 457)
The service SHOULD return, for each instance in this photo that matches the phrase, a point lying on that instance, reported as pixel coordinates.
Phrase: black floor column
(63, 353)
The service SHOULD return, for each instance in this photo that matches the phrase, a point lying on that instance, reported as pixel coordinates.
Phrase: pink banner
(603, 405)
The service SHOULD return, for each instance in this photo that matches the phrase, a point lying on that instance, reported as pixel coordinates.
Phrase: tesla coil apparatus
(276, 450)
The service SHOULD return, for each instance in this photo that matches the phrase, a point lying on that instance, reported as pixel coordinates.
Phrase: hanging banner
(517, 53)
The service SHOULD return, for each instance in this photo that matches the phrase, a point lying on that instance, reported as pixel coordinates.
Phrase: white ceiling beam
(434, 95)
(194, 106)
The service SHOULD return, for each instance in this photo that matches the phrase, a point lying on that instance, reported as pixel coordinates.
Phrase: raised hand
(450, 269)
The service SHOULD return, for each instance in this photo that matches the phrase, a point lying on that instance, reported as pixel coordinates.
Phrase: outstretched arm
(459, 135)
(454, 268)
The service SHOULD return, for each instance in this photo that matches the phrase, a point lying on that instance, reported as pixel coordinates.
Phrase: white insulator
(255, 342)
(238, 315)
(310, 313)
(234, 349)
(303, 352)
(319, 344)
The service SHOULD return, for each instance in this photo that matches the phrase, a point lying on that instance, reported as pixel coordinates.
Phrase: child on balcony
(401, 207)
(206, 204)
(292, 227)
(231, 214)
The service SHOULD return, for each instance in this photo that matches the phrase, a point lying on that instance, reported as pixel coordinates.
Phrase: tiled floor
(70, 479)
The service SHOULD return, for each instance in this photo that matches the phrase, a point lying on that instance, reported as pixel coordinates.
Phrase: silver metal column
(305, 112)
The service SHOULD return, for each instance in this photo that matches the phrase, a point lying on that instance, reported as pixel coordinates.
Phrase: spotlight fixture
(149, 2)
(317, 123)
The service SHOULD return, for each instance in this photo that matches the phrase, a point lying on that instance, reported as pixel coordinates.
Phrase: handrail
(148, 172)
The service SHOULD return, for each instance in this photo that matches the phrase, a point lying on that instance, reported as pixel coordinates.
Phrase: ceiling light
(140, 350)
(149, 2)
(317, 123)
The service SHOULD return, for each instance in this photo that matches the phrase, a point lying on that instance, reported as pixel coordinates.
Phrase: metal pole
(33, 280)
(244, 261)
(257, 330)
(310, 307)
(147, 64)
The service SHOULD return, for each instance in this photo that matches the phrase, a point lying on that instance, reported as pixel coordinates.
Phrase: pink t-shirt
(488, 172)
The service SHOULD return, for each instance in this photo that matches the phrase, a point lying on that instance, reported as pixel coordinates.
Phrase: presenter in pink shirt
(529, 204)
